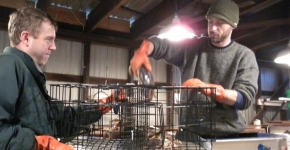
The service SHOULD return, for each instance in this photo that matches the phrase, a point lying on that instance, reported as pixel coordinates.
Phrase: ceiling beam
(16, 4)
(43, 4)
(250, 34)
(59, 14)
(246, 4)
(267, 23)
(102, 11)
(93, 38)
(113, 33)
(162, 11)
(269, 43)
(67, 15)
(259, 7)
(196, 19)
(114, 25)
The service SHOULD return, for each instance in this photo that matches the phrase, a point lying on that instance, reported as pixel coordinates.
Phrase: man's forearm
(231, 97)
(150, 48)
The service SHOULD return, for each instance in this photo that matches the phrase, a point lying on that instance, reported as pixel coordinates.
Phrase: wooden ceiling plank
(245, 36)
(94, 38)
(43, 4)
(102, 11)
(67, 15)
(259, 7)
(268, 43)
(123, 8)
(267, 23)
(245, 4)
(16, 4)
(196, 19)
(159, 13)
(115, 25)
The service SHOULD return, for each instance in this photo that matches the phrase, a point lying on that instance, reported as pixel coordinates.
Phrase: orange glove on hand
(105, 109)
(219, 90)
(140, 58)
(45, 142)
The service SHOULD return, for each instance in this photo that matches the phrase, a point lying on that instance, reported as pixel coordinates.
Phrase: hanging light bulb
(283, 57)
(176, 31)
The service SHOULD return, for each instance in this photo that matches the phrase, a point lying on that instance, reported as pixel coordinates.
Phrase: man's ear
(24, 38)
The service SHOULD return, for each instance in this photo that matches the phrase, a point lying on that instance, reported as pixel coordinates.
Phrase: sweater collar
(221, 49)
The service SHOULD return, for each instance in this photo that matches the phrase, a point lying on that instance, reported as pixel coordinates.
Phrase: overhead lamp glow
(283, 57)
(176, 31)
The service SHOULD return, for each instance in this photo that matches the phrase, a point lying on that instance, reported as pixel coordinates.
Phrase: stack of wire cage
(149, 117)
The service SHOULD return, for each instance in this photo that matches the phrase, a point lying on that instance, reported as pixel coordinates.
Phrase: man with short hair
(28, 116)
(217, 61)
(24, 102)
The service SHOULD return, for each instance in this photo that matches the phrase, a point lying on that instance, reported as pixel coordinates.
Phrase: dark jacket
(23, 102)
(27, 110)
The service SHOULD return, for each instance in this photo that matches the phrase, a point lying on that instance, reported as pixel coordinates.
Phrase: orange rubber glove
(219, 90)
(140, 58)
(105, 109)
(45, 142)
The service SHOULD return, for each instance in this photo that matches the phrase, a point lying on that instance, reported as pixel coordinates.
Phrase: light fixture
(176, 31)
(283, 57)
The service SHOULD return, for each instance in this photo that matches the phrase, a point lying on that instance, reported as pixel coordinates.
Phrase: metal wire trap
(141, 117)
(132, 124)
(188, 116)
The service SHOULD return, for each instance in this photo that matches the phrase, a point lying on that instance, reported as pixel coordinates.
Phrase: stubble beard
(218, 38)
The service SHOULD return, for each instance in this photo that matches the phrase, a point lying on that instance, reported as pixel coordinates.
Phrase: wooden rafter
(260, 24)
(102, 11)
(94, 38)
(250, 34)
(67, 15)
(259, 7)
(268, 43)
(43, 4)
(16, 4)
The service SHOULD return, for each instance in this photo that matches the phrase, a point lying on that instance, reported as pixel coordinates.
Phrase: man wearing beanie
(218, 62)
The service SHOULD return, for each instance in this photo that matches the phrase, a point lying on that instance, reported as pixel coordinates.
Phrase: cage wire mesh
(142, 117)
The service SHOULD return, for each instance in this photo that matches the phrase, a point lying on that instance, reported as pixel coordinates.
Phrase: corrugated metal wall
(4, 40)
(67, 59)
(112, 62)
(159, 70)
(109, 62)
(250, 113)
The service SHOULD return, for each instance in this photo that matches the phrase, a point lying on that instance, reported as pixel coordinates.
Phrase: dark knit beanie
(227, 10)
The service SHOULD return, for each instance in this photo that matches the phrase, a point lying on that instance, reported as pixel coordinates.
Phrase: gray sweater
(233, 67)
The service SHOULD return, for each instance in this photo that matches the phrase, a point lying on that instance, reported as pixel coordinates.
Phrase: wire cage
(134, 122)
(189, 116)
(141, 117)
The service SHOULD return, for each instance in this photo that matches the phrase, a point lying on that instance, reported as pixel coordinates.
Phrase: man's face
(218, 30)
(41, 47)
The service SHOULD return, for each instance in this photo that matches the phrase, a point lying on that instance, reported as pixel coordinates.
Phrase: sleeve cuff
(240, 101)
